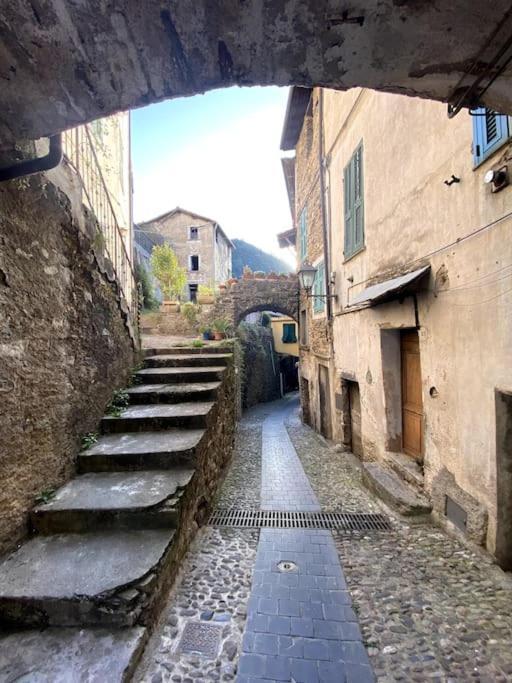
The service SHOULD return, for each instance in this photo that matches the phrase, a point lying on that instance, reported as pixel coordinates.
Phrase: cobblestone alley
(406, 604)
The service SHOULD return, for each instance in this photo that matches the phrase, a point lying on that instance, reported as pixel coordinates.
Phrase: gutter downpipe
(37, 165)
(325, 235)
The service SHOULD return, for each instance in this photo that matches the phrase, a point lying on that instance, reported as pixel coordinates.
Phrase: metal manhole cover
(200, 638)
(287, 566)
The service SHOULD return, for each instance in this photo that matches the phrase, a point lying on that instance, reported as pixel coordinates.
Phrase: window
(319, 289)
(354, 199)
(289, 334)
(303, 327)
(194, 263)
(303, 232)
(490, 131)
(193, 233)
(192, 293)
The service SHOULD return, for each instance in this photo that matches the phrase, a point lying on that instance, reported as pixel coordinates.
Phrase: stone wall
(64, 344)
(260, 381)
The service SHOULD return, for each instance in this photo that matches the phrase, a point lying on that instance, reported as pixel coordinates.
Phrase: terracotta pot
(170, 306)
(232, 281)
(219, 335)
(205, 299)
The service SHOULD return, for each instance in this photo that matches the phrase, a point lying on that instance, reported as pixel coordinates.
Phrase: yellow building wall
(277, 331)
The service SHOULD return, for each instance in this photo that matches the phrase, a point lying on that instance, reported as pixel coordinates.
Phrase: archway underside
(64, 63)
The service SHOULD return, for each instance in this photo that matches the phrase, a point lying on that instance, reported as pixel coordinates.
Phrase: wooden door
(325, 401)
(412, 402)
(355, 419)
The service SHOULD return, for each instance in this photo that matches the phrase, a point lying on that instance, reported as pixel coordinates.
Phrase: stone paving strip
(300, 625)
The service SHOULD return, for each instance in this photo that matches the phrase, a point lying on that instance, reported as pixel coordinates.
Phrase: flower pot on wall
(205, 299)
(219, 335)
(170, 307)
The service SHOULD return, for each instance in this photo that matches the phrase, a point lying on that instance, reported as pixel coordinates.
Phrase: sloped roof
(298, 101)
(178, 209)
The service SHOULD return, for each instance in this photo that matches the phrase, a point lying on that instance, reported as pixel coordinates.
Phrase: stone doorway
(503, 401)
(354, 408)
(325, 401)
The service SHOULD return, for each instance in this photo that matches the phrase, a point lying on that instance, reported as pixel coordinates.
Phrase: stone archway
(247, 295)
(64, 63)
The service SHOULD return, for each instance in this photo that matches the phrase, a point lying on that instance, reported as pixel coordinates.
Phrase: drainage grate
(257, 519)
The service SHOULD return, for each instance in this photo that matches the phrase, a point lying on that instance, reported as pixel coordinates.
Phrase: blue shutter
(354, 203)
(490, 131)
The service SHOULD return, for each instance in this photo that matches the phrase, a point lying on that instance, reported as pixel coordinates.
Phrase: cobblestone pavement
(335, 477)
(429, 609)
(213, 590)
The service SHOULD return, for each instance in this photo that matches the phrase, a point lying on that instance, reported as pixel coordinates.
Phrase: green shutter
(319, 288)
(354, 203)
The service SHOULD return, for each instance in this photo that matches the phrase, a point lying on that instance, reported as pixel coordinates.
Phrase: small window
(303, 327)
(354, 203)
(194, 233)
(303, 232)
(490, 131)
(192, 293)
(319, 289)
(194, 263)
(289, 334)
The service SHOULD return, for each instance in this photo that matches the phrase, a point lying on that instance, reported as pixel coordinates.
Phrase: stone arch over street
(279, 294)
(63, 64)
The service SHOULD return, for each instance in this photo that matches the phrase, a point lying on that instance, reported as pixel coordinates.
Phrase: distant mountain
(245, 254)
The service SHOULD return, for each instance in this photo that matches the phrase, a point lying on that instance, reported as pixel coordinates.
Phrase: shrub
(190, 311)
(205, 290)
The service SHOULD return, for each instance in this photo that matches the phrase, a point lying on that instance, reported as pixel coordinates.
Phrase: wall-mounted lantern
(307, 274)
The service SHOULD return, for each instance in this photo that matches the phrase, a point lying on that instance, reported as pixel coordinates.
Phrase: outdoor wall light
(307, 274)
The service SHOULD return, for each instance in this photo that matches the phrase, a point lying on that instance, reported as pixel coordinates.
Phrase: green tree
(149, 301)
(171, 276)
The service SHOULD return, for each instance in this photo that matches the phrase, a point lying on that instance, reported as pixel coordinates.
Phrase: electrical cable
(444, 248)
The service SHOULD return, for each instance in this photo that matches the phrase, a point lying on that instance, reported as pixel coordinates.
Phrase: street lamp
(307, 274)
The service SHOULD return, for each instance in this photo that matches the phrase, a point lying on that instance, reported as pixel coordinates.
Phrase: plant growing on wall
(167, 270)
(149, 301)
(190, 312)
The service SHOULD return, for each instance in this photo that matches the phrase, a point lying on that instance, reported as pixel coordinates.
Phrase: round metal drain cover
(286, 566)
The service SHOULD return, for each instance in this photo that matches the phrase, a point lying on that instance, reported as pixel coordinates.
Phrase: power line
(444, 248)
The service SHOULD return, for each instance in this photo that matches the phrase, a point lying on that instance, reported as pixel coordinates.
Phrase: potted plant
(232, 281)
(220, 328)
(170, 275)
(205, 294)
(259, 274)
(247, 273)
(206, 332)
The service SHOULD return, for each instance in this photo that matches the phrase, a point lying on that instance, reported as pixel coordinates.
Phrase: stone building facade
(200, 244)
(419, 257)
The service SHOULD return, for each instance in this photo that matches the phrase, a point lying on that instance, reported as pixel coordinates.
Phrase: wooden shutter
(490, 131)
(354, 203)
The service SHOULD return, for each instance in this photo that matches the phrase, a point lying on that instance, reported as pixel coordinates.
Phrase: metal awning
(390, 289)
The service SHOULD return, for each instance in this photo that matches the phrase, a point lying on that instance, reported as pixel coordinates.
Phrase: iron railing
(78, 148)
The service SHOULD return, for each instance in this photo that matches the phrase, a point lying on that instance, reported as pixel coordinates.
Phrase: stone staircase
(109, 542)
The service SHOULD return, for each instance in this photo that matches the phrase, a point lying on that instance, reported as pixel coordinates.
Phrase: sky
(216, 155)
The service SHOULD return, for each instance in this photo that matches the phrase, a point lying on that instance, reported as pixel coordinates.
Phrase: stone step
(71, 655)
(173, 393)
(184, 359)
(406, 468)
(156, 417)
(99, 578)
(142, 451)
(180, 375)
(120, 500)
(394, 491)
(188, 350)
